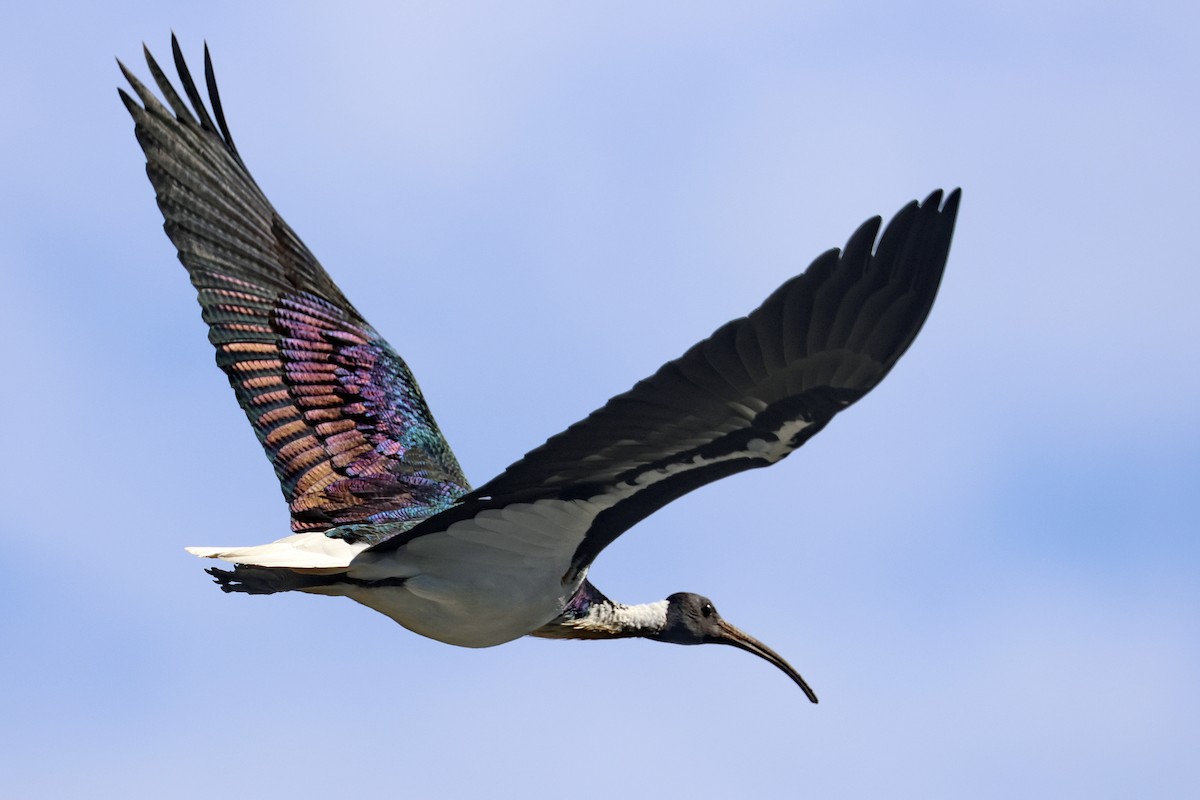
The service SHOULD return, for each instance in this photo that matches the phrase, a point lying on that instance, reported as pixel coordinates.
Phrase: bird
(382, 513)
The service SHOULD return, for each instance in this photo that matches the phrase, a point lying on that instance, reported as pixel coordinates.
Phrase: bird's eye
(707, 609)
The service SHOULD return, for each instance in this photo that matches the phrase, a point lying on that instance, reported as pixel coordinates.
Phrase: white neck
(617, 619)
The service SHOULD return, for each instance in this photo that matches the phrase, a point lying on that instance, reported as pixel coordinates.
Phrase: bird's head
(692, 619)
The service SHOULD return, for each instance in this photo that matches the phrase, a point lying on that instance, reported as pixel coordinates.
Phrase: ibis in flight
(382, 513)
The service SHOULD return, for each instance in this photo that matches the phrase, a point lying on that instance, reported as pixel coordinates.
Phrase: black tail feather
(267, 580)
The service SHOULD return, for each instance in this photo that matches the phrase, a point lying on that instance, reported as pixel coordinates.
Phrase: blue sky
(987, 569)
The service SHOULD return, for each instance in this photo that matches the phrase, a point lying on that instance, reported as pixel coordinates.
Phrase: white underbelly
(482, 582)
(460, 616)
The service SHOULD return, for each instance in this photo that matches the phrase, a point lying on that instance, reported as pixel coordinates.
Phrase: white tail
(298, 551)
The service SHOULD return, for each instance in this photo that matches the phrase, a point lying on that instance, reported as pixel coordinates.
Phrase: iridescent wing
(337, 411)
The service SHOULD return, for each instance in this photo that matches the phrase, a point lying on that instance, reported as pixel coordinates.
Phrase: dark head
(692, 619)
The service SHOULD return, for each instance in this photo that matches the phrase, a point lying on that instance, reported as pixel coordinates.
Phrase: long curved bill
(744, 641)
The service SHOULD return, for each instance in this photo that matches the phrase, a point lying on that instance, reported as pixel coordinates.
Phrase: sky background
(989, 569)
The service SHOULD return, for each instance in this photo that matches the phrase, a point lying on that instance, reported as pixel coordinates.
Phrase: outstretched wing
(746, 397)
(337, 411)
